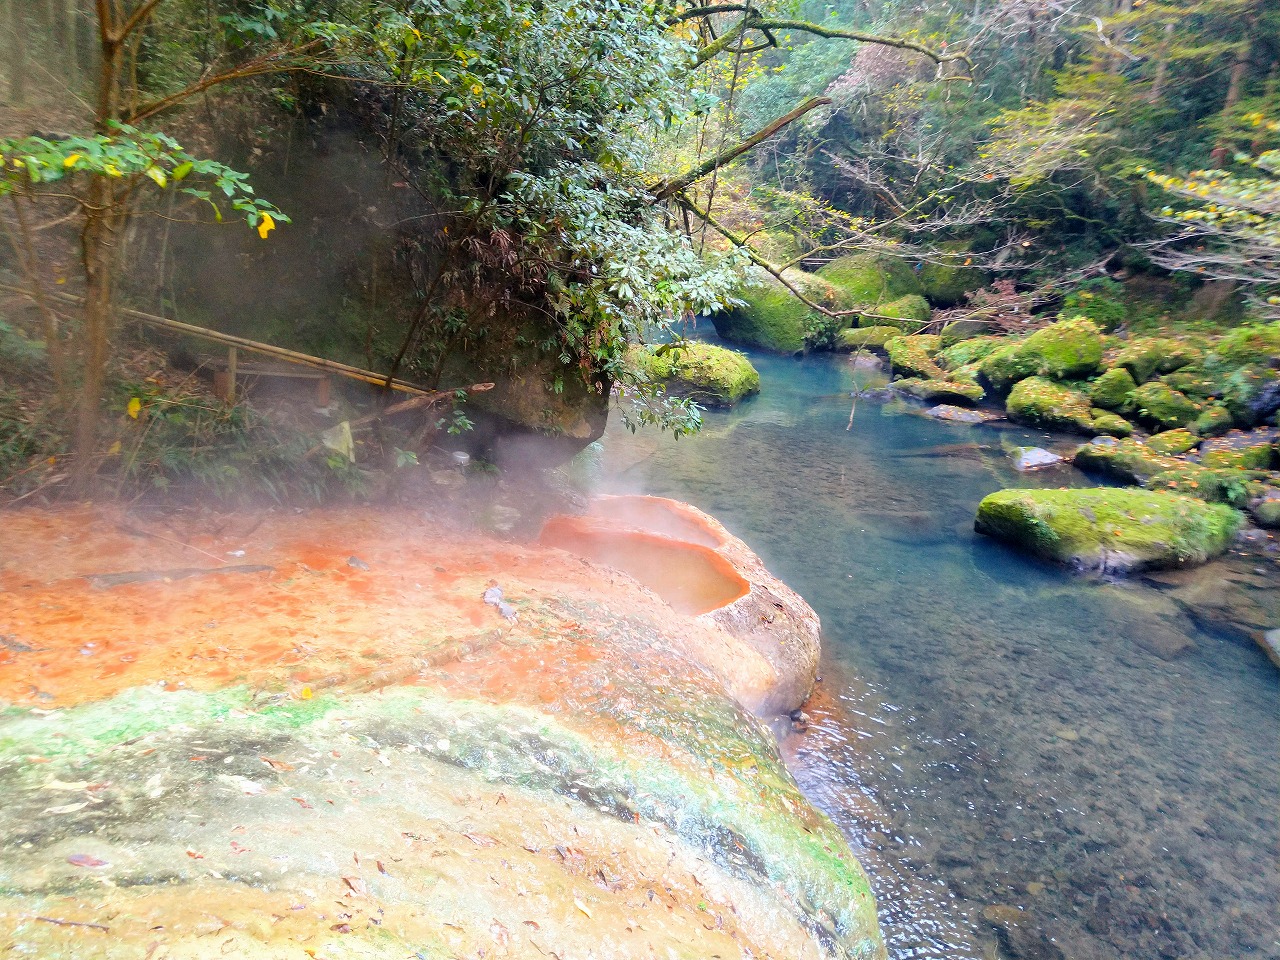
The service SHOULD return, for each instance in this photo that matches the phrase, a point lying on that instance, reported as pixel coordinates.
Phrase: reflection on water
(1019, 770)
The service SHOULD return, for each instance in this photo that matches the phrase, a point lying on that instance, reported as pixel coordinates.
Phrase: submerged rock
(944, 411)
(1033, 458)
(1109, 530)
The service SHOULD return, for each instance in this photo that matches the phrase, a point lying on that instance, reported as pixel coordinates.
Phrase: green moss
(1112, 389)
(966, 352)
(857, 337)
(1215, 419)
(947, 284)
(1044, 403)
(1266, 509)
(771, 317)
(1192, 381)
(1094, 300)
(1247, 457)
(1144, 357)
(1213, 484)
(1109, 529)
(942, 391)
(1160, 406)
(1063, 350)
(960, 330)
(1173, 442)
(711, 375)
(1125, 460)
(865, 280)
(909, 313)
(1247, 345)
(913, 355)
(1110, 424)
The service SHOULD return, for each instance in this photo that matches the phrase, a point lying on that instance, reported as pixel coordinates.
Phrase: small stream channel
(1021, 776)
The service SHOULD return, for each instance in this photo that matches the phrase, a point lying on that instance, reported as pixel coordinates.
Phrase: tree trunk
(98, 256)
(1162, 66)
(17, 54)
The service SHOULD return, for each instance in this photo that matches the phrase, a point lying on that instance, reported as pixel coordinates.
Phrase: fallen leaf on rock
(59, 785)
(381, 869)
(356, 885)
(481, 839)
(500, 934)
(237, 848)
(582, 906)
(341, 927)
(277, 764)
(85, 860)
(67, 807)
(531, 923)
(302, 803)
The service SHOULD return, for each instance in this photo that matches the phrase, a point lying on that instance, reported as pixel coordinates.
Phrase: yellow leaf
(113, 170)
(305, 693)
(156, 174)
(266, 226)
(71, 160)
(114, 449)
(134, 408)
(581, 906)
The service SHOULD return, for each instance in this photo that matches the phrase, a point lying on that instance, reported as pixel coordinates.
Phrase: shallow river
(1021, 776)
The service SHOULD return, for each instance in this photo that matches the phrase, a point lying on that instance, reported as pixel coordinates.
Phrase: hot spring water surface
(1018, 773)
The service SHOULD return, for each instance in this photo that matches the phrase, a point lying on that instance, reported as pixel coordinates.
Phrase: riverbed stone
(1173, 442)
(1033, 458)
(944, 411)
(874, 338)
(1242, 449)
(1109, 530)
(1112, 389)
(944, 389)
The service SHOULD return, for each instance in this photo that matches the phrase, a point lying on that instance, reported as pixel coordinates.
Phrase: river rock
(1270, 643)
(1033, 458)
(1109, 530)
(946, 411)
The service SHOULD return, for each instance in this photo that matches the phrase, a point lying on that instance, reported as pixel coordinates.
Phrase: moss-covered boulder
(1250, 344)
(1144, 357)
(948, 283)
(865, 280)
(1265, 509)
(959, 330)
(1111, 390)
(771, 317)
(1214, 419)
(1125, 460)
(711, 375)
(1242, 450)
(966, 352)
(1067, 349)
(913, 356)
(1096, 301)
(1107, 529)
(908, 313)
(1043, 403)
(1160, 406)
(1173, 442)
(941, 390)
(857, 338)
(1110, 424)
(1215, 484)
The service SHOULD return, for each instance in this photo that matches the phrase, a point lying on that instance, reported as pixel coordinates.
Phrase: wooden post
(231, 375)
(322, 392)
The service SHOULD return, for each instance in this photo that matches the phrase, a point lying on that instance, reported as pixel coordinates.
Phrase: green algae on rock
(1144, 357)
(941, 390)
(1109, 530)
(1110, 424)
(713, 376)
(1043, 403)
(909, 313)
(963, 353)
(1125, 460)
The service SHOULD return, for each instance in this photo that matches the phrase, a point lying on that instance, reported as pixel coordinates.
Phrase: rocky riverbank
(356, 734)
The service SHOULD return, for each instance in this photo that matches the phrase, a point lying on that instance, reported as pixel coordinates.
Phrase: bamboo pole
(291, 356)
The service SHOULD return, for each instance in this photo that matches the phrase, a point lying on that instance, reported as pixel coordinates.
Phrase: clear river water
(1021, 774)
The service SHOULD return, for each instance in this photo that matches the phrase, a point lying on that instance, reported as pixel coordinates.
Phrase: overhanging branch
(670, 187)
